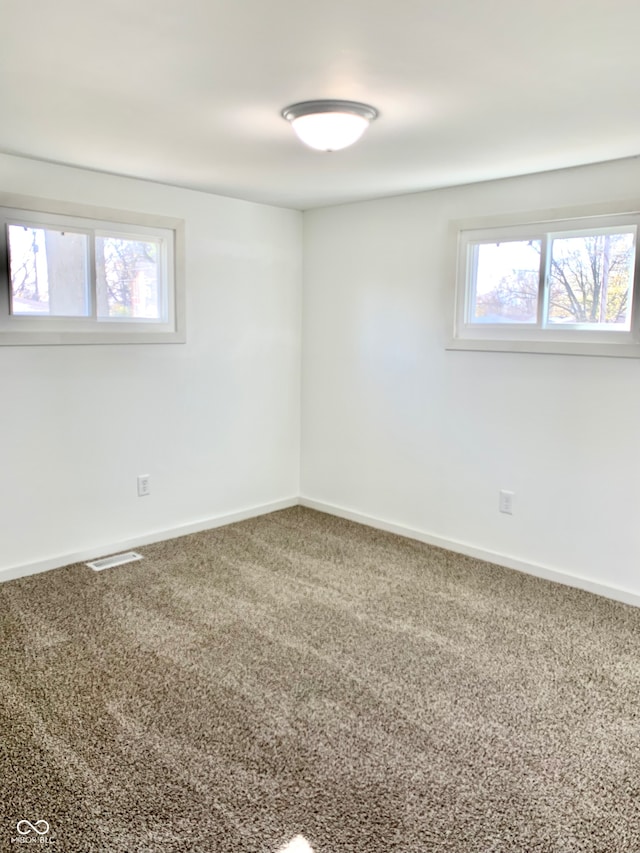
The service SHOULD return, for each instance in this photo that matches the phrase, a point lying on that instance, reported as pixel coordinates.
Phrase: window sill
(17, 339)
(605, 350)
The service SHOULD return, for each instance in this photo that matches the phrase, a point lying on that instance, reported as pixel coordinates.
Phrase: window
(75, 275)
(563, 285)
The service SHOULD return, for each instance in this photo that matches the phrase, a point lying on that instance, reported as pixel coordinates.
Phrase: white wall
(398, 429)
(394, 427)
(215, 421)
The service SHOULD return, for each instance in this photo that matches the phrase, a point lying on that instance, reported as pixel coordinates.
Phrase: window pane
(591, 280)
(506, 282)
(128, 280)
(48, 270)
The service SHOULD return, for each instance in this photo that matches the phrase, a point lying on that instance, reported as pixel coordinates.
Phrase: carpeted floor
(301, 675)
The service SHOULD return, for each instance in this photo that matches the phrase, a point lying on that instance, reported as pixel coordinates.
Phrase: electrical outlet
(144, 485)
(505, 503)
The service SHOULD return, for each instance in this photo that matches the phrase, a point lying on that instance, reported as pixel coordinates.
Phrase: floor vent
(116, 560)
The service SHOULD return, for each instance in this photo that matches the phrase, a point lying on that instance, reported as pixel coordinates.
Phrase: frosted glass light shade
(329, 131)
(329, 125)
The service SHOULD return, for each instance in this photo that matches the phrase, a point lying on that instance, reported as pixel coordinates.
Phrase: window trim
(27, 330)
(520, 337)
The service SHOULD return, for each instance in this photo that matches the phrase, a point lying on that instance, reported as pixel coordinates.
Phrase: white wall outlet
(144, 485)
(505, 503)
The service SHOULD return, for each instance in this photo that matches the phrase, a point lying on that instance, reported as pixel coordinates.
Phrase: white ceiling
(190, 93)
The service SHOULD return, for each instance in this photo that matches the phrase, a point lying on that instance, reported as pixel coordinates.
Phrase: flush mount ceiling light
(329, 125)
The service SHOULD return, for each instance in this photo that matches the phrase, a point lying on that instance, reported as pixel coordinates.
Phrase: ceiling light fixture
(329, 125)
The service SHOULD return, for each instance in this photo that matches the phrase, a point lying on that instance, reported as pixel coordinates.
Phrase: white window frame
(36, 329)
(569, 339)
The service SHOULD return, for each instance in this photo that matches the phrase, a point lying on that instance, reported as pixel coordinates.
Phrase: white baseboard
(105, 550)
(540, 571)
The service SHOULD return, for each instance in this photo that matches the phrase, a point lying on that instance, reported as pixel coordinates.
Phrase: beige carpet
(298, 674)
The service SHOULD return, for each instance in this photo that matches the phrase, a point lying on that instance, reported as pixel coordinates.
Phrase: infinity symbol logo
(41, 827)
